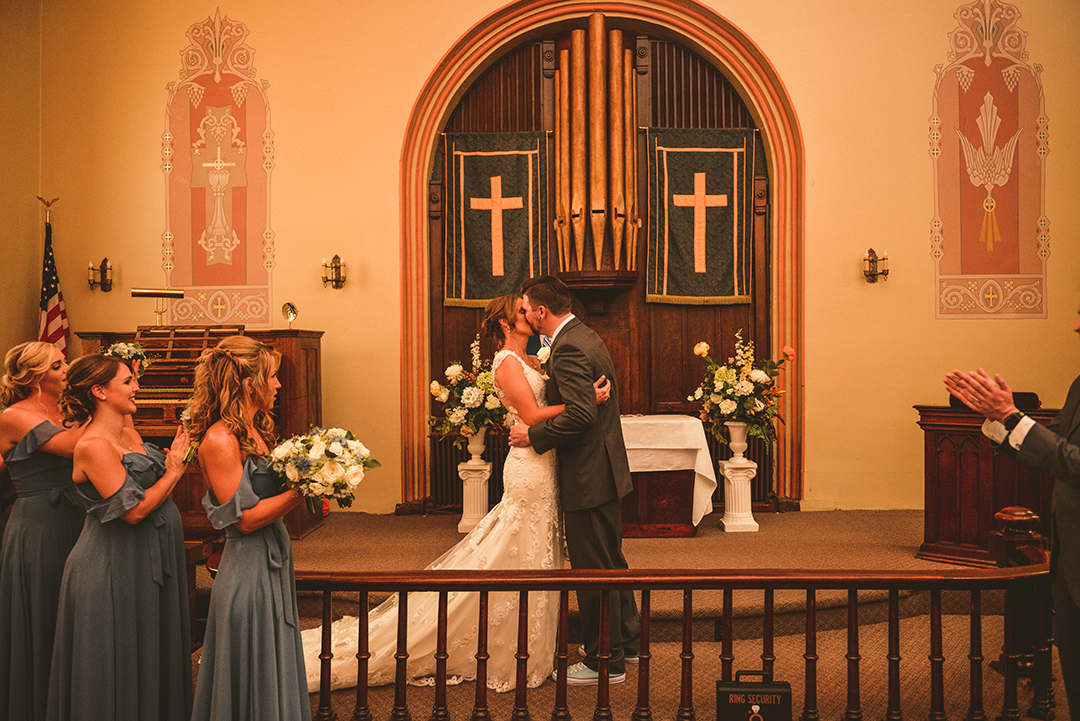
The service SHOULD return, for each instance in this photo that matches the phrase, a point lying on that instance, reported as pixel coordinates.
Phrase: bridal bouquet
(131, 353)
(469, 399)
(743, 390)
(321, 464)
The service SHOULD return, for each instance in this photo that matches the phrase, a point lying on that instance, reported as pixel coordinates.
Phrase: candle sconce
(875, 267)
(100, 276)
(334, 272)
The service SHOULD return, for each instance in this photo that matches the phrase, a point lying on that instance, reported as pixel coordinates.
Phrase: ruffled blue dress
(123, 638)
(253, 659)
(45, 523)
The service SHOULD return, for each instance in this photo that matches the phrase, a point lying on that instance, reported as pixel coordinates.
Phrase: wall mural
(990, 237)
(217, 155)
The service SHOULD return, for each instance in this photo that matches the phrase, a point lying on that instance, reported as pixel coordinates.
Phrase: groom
(593, 470)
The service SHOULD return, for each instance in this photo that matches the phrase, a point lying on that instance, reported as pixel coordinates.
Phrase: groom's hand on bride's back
(519, 433)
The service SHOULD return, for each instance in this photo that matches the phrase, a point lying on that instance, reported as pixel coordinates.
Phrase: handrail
(673, 579)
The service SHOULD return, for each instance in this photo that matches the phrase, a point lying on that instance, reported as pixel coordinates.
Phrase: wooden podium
(967, 482)
(167, 385)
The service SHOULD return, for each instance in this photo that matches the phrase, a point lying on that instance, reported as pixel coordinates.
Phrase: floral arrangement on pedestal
(321, 464)
(743, 390)
(131, 353)
(470, 403)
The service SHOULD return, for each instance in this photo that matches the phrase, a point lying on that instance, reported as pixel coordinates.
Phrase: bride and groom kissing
(566, 472)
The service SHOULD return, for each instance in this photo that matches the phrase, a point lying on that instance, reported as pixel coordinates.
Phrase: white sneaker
(581, 675)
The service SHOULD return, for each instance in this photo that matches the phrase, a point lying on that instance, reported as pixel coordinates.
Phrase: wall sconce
(334, 272)
(874, 266)
(101, 276)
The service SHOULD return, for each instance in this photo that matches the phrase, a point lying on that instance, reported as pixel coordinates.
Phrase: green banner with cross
(496, 210)
(700, 216)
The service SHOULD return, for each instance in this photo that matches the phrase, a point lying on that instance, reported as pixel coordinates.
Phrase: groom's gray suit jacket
(593, 469)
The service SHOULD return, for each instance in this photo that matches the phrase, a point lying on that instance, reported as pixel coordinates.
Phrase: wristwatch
(1011, 420)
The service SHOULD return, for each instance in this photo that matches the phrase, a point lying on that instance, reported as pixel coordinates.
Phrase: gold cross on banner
(699, 201)
(496, 204)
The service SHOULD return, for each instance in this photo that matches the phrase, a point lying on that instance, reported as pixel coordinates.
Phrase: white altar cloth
(672, 443)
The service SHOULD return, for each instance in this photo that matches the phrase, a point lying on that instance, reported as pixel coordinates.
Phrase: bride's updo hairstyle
(77, 402)
(219, 389)
(24, 367)
(502, 308)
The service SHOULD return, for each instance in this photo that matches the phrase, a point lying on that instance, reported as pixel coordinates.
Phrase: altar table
(673, 476)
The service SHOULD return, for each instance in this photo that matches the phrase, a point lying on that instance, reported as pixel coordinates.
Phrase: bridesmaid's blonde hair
(24, 367)
(219, 389)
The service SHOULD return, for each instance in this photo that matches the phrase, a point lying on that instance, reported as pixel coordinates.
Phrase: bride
(522, 532)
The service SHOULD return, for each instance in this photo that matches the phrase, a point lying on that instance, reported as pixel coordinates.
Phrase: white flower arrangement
(133, 353)
(321, 464)
(744, 390)
(470, 401)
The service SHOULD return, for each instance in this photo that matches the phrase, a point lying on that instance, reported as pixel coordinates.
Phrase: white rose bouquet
(133, 354)
(321, 464)
(744, 390)
(469, 399)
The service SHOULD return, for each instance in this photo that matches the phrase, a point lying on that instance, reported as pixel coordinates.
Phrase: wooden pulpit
(167, 384)
(967, 481)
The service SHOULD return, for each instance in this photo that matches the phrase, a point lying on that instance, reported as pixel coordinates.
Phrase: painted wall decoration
(989, 138)
(217, 154)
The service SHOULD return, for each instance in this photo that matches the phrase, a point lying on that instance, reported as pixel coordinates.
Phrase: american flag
(54, 322)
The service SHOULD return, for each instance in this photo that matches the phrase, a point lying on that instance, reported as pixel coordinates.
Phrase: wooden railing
(1027, 630)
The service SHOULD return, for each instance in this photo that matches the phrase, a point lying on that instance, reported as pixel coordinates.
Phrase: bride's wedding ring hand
(603, 390)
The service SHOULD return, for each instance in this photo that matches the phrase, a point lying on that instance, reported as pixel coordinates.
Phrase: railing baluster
(727, 644)
(643, 711)
(1010, 705)
(686, 696)
(521, 704)
(439, 711)
(401, 709)
(325, 711)
(1044, 633)
(561, 712)
(975, 661)
(937, 660)
(854, 708)
(810, 711)
(893, 713)
(768, 656)
(480, 709)
(603, 689)
(362, 712)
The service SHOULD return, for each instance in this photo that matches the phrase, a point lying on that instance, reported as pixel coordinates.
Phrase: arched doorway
(705, 35)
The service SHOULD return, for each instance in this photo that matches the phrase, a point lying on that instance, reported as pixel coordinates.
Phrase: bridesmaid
(253, 659)
(45, 523)
(123, 645)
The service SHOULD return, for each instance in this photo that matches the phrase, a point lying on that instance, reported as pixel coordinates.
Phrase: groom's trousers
(594, 540)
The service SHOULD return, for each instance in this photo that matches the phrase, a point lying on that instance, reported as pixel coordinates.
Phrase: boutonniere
(543, 354)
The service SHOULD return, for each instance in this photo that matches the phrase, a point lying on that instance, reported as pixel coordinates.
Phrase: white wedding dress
(522, 532)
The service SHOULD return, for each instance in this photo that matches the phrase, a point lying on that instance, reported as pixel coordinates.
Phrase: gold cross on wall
(496, 204)
(699, 201)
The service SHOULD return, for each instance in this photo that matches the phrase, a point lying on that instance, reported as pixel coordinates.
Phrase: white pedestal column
(474, 474)
(738, 517)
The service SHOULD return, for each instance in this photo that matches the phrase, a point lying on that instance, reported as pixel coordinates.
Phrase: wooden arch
(716, 40)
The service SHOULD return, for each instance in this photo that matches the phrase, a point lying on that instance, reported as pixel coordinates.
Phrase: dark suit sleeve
(1046, 450)
(573, 373)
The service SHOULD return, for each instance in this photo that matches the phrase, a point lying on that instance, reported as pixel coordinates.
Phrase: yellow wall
(343, 78)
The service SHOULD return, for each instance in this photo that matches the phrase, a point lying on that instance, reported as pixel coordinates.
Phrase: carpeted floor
(824, 540)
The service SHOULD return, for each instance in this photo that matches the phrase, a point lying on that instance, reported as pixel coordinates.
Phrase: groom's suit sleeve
(1052, 449)
(573, 373)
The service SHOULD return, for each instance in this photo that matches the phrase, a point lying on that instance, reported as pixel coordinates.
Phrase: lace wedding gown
(522, 532)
